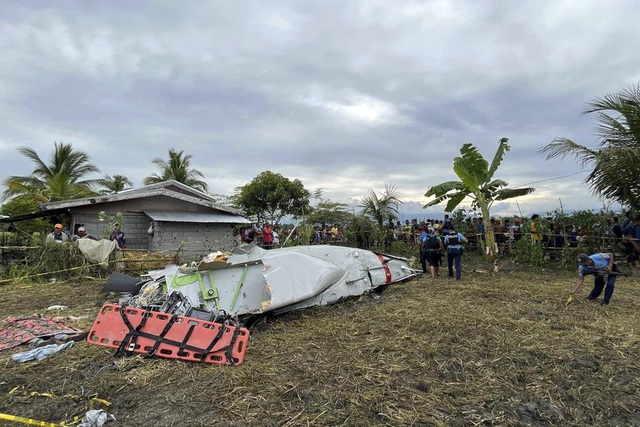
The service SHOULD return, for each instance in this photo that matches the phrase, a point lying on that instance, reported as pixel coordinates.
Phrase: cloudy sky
(345, 96)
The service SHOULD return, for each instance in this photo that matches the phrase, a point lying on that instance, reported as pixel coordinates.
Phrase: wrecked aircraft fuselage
(252, 280)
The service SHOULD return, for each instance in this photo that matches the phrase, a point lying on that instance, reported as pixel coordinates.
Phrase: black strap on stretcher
(136, 332)
(133, 333)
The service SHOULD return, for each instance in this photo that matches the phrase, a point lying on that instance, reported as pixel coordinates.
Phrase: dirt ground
(490, 350)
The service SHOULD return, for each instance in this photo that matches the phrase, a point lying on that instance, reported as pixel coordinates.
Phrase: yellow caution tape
(29, 421)
(100, 401)
(33, 422)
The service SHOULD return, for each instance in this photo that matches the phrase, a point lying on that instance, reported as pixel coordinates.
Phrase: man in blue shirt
(454, 241)
(600, 265)
(631, 239)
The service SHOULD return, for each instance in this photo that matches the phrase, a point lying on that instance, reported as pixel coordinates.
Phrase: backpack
(432, 242)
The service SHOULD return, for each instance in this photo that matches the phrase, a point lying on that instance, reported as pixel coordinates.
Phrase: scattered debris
(96, 418)
(40, 353)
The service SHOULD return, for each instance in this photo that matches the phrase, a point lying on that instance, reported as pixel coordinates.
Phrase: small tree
(381, 209)
(271, 196)
(476, 181)
(110, 221)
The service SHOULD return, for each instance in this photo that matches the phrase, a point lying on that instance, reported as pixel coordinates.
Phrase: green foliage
(23, 205)
(400, 248)
(568, 257)
(271, 196)
(48, 261)
(110, 221)
(615, 162)
(360, 232)
(327, 212)
(528, 253)
(177, 168)
(381, 209)
(476, 181)
(115, 184)
(459, 216)
(60, 179)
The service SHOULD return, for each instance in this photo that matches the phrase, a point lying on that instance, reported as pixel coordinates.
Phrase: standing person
(535, 228)
(453, 242)
(118, 236)
(431, 248)
(250, 234)
(276, 237)
(598, 264)
(267, 236)
(82, 234)
(57, 236)
(447, 225)
(631, 242)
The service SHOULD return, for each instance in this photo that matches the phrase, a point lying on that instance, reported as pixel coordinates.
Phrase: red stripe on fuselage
(387, 273)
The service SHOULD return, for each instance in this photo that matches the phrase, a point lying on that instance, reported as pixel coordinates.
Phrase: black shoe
(603, 303)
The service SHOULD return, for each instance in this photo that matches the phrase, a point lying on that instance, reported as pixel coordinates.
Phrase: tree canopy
(270, 197)
(62, 178)
(177, 168)
(325, 211)
(616, 160)
(115, 184)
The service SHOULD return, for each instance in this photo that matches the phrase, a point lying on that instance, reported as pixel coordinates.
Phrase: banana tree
(476, 182)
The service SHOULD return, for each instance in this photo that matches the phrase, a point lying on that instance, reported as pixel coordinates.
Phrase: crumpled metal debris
(96, 418)
(40, 353)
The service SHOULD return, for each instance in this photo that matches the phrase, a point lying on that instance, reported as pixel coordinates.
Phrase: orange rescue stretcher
(171, 336)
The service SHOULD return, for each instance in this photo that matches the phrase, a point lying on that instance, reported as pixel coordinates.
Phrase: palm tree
(381, 209)
(114, 184)
(60, 179)
(616, 160)
(177, 169)
(476, 181)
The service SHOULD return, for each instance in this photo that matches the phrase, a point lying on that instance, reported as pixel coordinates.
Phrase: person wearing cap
(81, 233)
(57, 236)
(600, 264)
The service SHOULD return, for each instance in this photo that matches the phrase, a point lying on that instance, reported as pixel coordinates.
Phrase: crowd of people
(265, 236)
(61, 235)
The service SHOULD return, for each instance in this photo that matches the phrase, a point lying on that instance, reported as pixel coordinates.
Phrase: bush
(528, 253)
(400, 248)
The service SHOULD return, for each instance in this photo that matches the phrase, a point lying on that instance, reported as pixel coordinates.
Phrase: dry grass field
(498, 350)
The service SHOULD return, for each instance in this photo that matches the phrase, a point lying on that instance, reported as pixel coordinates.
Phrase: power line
(552, 179)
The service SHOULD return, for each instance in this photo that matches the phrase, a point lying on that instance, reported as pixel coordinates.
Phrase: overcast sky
(344, 95)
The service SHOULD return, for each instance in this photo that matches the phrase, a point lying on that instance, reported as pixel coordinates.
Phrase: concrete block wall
(196, 239)
(135, 226)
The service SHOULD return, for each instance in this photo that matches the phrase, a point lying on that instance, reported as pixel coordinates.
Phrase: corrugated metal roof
(186, 193)
(203, 217)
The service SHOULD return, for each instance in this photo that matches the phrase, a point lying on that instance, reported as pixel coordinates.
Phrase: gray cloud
(343, 96)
